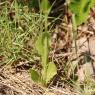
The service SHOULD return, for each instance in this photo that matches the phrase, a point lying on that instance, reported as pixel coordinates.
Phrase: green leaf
(34, 75)
(51, 71)
(42, 45)
(39, 44)
(81, 9)
(45, 6)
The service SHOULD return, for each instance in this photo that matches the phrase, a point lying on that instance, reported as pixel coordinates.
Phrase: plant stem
(74, 31)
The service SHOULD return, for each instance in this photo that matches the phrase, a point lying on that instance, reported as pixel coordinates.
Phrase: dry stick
(64, 55)
(92, 57)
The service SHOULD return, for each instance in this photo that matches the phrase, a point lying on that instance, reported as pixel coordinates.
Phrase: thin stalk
(45, 50)
(74, 31)
(45, 60)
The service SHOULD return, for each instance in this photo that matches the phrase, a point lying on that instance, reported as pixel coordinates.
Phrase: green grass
(18, 37)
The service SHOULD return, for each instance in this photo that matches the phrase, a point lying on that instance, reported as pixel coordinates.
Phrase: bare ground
(20, 83)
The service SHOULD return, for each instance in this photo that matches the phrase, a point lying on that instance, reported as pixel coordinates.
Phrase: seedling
(81, 9)
(49, 69)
